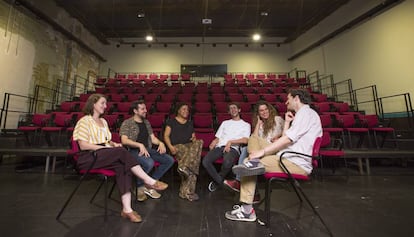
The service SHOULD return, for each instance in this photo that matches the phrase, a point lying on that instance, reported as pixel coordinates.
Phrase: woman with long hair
(92, 133)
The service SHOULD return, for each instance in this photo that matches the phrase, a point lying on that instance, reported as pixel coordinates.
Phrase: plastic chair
(104, 174)
(293, 180)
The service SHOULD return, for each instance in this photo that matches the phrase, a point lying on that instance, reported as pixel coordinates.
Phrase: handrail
(314, 74)
(36, 97)
(374, 95)
(329, 86)
(408, 106)
(349, 92)
(5, 109)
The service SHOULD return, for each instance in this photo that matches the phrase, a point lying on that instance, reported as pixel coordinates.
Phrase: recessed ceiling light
(141, 15)
(149, 38)
(256, 37)
(264, 13)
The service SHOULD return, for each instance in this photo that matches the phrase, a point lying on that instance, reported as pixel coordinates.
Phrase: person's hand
(114, 144)
(289, 116)
(173, 150)
(227, 147)
(259, 121)
(256, 154)
(161, 148)
(143, 150)
(211, 146)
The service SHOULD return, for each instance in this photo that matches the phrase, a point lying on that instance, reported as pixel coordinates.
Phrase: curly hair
(304, 95)
(92, 99)
(268, 124)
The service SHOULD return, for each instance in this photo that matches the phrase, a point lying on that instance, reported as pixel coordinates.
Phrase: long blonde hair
(269, 123)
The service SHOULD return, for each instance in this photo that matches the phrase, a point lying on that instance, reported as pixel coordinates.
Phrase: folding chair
(105, 174)
(293, 180)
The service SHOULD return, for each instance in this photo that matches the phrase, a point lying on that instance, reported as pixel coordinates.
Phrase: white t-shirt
(305, 128)
(232, 129)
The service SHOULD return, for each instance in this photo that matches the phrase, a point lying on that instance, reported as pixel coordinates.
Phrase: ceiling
(118, 19)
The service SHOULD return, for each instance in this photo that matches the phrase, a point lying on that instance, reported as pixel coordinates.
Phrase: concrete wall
(378, 52)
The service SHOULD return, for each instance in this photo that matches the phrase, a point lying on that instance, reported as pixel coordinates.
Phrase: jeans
(243, 156)
(147, 163)
(228, 161)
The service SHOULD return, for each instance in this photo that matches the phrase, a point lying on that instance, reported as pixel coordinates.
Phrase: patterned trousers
(189, 156)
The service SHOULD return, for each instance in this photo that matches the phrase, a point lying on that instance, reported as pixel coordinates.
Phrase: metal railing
(313, 79)
(372, 97)
(327, 85)
(346, 95)
(407, 103)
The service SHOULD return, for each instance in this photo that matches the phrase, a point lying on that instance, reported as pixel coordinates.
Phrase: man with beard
(302, 127)
(231, 135)
(137, 135)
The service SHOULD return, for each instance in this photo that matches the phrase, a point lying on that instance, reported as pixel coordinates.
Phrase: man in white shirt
(299, 134)
(230, 136)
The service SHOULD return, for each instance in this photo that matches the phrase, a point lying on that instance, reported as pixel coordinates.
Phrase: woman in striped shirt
(92, 133)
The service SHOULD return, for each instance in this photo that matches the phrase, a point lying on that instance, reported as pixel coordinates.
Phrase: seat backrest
(315, 151)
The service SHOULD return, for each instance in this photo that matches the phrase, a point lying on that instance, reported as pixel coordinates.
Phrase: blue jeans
(243, 156)
(147, 163)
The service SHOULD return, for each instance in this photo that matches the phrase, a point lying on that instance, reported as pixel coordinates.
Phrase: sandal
(158, 185)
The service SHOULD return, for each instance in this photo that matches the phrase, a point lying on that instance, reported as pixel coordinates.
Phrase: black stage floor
(380, 205)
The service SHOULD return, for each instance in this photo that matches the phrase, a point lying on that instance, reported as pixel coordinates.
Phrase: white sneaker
(238, 214)
(152, 193)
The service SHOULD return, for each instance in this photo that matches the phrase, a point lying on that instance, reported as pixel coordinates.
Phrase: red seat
(37, 122)
(332, 150)
(203, 122)
(372, 123)
(60, 123)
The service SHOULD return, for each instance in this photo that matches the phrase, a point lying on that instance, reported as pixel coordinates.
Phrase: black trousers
(117, 159)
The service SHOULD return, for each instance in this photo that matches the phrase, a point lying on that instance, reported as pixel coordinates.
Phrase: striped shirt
(88, 130)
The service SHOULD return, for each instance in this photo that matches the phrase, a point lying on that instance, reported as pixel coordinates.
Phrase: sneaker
(212, 186)
(238, 215)
(152, 193)
(250, 168)
(232, 184)
(141, 196)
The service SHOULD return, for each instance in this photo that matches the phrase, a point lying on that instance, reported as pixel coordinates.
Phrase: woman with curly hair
(268, 126)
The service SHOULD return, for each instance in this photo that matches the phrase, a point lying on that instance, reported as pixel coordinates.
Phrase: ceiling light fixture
(256, 37)
(149, 38)
(141, 15)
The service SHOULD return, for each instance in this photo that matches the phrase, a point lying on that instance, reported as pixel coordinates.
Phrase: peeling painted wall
(33, 54)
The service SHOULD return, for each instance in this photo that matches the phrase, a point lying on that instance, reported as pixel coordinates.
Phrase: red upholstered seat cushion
(281, 175)
(105, 172)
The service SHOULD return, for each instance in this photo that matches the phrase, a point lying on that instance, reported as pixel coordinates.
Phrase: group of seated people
(257, 152)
